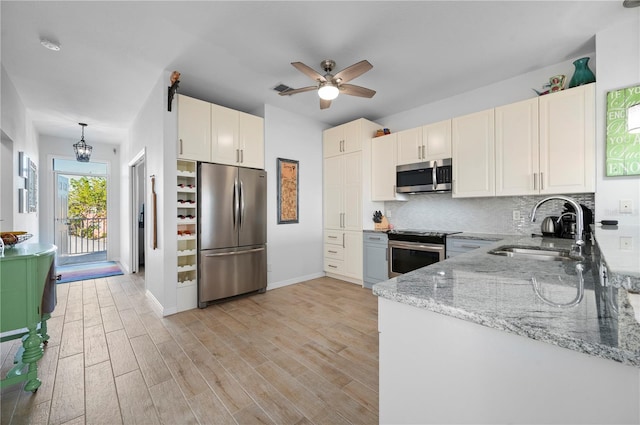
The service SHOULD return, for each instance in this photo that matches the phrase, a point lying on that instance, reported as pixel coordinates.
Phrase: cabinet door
(375, 262)
(333, 192)
(224, 135)
(473, 155)
(251, 141)
(332, 141)
(352, 136)
(353, 254)
(567, 141)
(517, 149)
(352, 219)
(410, 148)
(436, 139)
(383, 168)
(194, 129)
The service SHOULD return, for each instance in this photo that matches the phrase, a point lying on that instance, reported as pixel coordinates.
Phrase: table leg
(43, 328)
(32, 343)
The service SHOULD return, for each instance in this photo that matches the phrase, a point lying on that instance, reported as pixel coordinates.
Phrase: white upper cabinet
(436, 139)
(212, 133)
(224, 135)
(194, 129)
(237, 138)
(342, 139)
(567, 141)
(251, 141)
(410, 146)
(384, 153)
(473, 155)
(517, 157)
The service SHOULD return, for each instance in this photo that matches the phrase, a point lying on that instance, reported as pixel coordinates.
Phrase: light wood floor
(306, 353)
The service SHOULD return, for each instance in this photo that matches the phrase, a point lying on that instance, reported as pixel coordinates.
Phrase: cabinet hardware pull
(375, 239)
(424, 155)
(470, 246)
(180, 146)
(332, 266)
(332, 237)
(242, 156)
(535, 183)
(541, 180)
(332, 252)
(343, 240)
(237, 155)
(419, 153)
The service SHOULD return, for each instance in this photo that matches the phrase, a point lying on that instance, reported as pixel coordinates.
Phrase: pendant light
(83, 151)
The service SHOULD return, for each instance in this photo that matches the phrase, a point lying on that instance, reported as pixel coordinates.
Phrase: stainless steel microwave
(430, 176)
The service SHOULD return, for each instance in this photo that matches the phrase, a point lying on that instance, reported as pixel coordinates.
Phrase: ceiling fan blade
(354, 90)
(324, 104)
(308, 71)
(295, 91)
(352, 72)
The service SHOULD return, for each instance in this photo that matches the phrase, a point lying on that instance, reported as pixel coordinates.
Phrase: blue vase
(582, 74)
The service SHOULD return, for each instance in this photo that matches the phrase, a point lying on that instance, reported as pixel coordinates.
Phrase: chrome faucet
(579, 242)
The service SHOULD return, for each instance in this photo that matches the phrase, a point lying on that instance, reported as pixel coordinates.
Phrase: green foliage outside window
(88, 207)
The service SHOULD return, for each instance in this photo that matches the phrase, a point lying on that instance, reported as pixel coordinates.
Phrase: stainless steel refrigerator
(232, 231)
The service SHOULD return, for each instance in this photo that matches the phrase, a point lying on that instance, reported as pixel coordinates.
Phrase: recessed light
(51, 45)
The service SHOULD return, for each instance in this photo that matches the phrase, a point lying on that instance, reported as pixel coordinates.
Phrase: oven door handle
(417, 246)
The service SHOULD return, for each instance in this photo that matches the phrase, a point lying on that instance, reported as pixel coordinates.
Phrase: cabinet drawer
(334, 237)
(375, 238)
(333, 266)
(334, 251)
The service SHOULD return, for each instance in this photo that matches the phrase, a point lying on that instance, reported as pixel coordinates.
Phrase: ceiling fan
(329, 85)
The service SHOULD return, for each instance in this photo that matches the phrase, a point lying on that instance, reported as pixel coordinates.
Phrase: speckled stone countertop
(498, 292)
(620, 251)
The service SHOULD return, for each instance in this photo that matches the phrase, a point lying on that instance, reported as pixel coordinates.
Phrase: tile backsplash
(439, 211)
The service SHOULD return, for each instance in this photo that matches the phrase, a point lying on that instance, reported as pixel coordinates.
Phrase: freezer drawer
(224, 273)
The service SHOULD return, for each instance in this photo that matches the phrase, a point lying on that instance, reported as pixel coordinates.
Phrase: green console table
(27, 297)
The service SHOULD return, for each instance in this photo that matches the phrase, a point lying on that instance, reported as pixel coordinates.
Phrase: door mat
(86, 271)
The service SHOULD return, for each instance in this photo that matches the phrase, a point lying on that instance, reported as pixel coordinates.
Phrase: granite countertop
(620, 251)
(498, 292)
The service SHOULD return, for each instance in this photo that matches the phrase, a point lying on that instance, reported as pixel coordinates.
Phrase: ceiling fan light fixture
(328, 91)
(82, 150)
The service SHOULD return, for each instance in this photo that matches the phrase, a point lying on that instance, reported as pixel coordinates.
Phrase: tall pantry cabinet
(347, 197)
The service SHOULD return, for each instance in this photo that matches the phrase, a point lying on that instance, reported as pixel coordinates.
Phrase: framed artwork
(32, 188)
(623, 132)
(23, 164)
(288, 173)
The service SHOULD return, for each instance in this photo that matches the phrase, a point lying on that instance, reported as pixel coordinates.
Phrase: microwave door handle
(434, 175)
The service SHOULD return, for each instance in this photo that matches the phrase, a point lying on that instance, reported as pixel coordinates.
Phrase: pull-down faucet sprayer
(579, 242)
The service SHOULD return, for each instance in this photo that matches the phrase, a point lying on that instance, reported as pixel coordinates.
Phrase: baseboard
(344, 278)
(158, 308)
(282, 283)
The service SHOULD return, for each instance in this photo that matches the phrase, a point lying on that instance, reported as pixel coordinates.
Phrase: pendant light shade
(82, 150)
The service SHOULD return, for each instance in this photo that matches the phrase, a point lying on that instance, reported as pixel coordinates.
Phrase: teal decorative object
(582, 74)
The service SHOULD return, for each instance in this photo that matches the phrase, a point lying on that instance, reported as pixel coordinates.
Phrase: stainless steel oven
(411, 249)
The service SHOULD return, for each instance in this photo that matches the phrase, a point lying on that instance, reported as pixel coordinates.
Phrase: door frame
(139, 160)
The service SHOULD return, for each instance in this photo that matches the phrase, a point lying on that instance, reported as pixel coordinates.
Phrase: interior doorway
(80, 211)
(137, 172)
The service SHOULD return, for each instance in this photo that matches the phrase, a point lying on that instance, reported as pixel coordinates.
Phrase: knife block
(383, 225)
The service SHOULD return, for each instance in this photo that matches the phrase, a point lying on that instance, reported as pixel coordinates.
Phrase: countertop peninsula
(498, 292)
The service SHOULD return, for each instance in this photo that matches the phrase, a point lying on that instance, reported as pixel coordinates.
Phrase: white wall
(618, 50)
(17, 127)
(55, 147)
(294, 251)
(148, 132)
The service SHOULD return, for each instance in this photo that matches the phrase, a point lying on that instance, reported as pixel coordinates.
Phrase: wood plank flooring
(302, 354)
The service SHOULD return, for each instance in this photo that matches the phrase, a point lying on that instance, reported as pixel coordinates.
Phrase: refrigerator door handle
(224, 254)
(236, 204)
(241, 203)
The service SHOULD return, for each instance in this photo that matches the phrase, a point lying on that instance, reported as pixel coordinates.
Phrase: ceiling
(235, 53)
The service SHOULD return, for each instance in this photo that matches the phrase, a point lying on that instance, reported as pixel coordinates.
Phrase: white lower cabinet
(343, 254)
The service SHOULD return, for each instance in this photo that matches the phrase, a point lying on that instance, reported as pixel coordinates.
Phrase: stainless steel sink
(534, 253)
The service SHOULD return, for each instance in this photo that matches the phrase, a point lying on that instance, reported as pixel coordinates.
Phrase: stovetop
(420, 235)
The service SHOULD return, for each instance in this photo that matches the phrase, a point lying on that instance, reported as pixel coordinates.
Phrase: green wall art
(623, 146)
